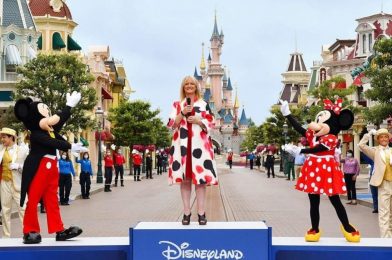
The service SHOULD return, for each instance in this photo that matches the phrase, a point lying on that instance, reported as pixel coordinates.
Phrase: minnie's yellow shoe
(354, 237)
(312, 236)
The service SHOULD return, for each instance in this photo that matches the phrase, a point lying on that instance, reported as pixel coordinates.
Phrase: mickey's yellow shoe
(312, 236)
(354, 237)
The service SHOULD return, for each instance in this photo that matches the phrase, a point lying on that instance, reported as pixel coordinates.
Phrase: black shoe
(122, 184)
(68, 233)
(32, 238)
(138, 179)
(375, 211)
(115, 184)
(186, 219)
(87, 197)
(202, 219)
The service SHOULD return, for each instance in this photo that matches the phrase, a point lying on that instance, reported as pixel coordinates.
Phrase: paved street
(243, 195)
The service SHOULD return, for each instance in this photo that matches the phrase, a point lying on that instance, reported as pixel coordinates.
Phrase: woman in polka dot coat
(192, 159)
(321, 173)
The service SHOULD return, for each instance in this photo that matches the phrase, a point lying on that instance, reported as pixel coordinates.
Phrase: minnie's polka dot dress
(320, 173)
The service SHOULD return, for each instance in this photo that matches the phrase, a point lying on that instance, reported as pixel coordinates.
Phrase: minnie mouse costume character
(40, 176)
(321, 174)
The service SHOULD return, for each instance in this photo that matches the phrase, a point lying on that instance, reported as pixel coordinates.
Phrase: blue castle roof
(243, 120)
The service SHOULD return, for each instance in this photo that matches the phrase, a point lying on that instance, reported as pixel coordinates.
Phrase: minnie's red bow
(336, 108)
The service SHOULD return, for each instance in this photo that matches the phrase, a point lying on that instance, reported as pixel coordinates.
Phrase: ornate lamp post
(369, 127)
(285, 130)
(99, 114)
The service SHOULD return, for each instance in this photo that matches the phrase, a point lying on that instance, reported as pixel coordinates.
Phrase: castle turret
(215, 70)
(295, 79)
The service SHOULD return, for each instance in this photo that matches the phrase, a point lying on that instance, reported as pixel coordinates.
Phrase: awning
(39, 43)
(106, 94)
(58, 42)
(31, 53)
(12, 55)
(72, 45)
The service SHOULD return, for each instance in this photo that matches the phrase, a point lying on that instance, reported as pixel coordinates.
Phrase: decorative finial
(202, 63)
(382, 6)
(295, 41)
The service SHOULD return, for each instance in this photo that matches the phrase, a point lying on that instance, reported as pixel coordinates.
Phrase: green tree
(328, 90)
(136, 123)
(161, 133)
(49, 77)
(379, 74)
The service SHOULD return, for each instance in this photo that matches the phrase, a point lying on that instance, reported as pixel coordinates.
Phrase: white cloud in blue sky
(159, 41)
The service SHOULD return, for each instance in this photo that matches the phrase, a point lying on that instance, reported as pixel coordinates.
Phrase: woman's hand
(194, 120)
(187, 109)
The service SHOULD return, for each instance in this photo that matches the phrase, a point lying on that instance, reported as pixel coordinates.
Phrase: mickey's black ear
(21, 109)
(346, 119)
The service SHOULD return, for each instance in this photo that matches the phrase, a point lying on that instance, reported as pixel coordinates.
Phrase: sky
(159, 41)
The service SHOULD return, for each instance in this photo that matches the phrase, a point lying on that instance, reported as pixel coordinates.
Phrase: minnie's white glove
(73, 99)
(292, 149)
(284, 108)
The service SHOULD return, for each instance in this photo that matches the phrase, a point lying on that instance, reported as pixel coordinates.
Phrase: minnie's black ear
(21, 109)
(346, 119)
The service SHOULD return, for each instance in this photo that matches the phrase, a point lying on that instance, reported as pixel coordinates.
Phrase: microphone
(188, 102)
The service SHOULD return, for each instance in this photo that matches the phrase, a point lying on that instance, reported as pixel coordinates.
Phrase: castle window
(370, 42)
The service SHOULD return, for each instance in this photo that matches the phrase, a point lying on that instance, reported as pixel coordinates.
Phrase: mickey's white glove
(14, 166)
(373, 132)
(284, 108)
(113, 147)
(73, 99)
(78, 148)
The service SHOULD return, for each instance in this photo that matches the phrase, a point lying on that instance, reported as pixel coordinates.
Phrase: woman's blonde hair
(194, 81)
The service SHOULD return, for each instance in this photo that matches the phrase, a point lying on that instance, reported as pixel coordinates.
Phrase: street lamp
(370, 127)
(285, 130)
(99, 114)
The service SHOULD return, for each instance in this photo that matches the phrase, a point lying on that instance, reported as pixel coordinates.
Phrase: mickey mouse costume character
(320, 173)
(40, 175)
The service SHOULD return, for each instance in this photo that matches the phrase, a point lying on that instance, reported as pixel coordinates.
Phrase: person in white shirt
(12, 157)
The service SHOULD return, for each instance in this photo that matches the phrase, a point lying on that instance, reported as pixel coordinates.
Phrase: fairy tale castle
(217, 91)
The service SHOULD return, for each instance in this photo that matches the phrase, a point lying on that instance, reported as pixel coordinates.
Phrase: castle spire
(236, 103)
(202, 63)
(215, 32)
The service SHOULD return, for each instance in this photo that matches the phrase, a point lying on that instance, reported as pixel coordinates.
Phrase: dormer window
(364, 43)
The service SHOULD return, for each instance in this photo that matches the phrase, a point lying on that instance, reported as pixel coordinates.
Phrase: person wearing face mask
(65, 183)
(108, 170)
(119, 161)
(148, 165)
(351, 170)
(85, 175)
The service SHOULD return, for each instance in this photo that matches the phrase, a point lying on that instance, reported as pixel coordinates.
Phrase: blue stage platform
(217, 240)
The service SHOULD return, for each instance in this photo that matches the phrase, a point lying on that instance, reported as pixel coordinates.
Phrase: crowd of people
(12, 157)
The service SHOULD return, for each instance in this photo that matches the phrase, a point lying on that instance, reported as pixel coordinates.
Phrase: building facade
(18, 45)
(345, 56)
